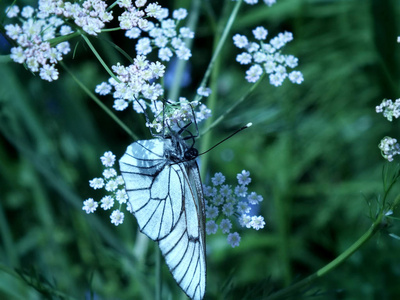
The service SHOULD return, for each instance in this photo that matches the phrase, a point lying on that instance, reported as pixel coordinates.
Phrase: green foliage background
(312, 153)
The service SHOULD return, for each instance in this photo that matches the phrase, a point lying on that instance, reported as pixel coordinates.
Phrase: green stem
(98, 102)
(375, 227)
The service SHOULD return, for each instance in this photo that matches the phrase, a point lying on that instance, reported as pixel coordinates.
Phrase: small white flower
(218, 179)
(179, 14)
(241, 191)
(96, 183)
(186, 33)
(103, 88)
(204, 91)
(253, 47)
(269, 2)
(276, 79)
(12, 11)
(243, 177)
(120, 180)
(244, 58)
(291, 61)
(133, 33)
(108, 173)
(27, 12)
(254, 73)
(257, 222)
(65, 30)
(234, 239)
(117, 217)
(108, 159)
(228, 209)
(211, 212)
(254, 198)
(260, 33)
(89, 205)
(225, 225)
(143, 46)
(165, 54)
(18, 55)
(211, 227)
(251, 2)
(48, 73)
(243, 207)
(121, 196)
(296, 77)
(245, 221)
(107, 202)
(209, 191)
(183, 53)
(111, 186)
(240, 41)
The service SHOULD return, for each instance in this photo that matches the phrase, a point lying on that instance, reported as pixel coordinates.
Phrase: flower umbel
(266, 58)
(389, 148)
(231, 204)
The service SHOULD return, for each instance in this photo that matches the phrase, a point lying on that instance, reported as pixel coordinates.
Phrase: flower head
(265, 58)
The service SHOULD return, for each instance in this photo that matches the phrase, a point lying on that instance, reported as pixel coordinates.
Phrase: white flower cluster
(389, 148)
(132, 85)
(267, 58)
(164, 34)
(114, 185)
(224, 202)
(33, 37)
(133, 82)
(389, 109)
(90, 15)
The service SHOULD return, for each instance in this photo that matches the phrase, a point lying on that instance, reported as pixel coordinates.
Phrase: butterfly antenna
(228, 137)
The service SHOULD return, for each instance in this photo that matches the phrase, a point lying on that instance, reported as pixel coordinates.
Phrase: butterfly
(163, 184)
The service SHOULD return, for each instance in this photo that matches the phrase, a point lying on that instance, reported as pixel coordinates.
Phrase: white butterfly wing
(167, 200)
(184, 247)
(151, 188)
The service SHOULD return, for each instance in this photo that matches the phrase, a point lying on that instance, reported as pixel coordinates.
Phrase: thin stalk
(101, 104)
(221, 42)
(375, 227)
(332, 265)
(102, 62)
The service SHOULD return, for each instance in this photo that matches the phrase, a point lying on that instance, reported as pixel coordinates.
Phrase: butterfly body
(165, 193)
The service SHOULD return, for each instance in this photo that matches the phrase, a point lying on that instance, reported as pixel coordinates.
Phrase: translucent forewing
(167, 200)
